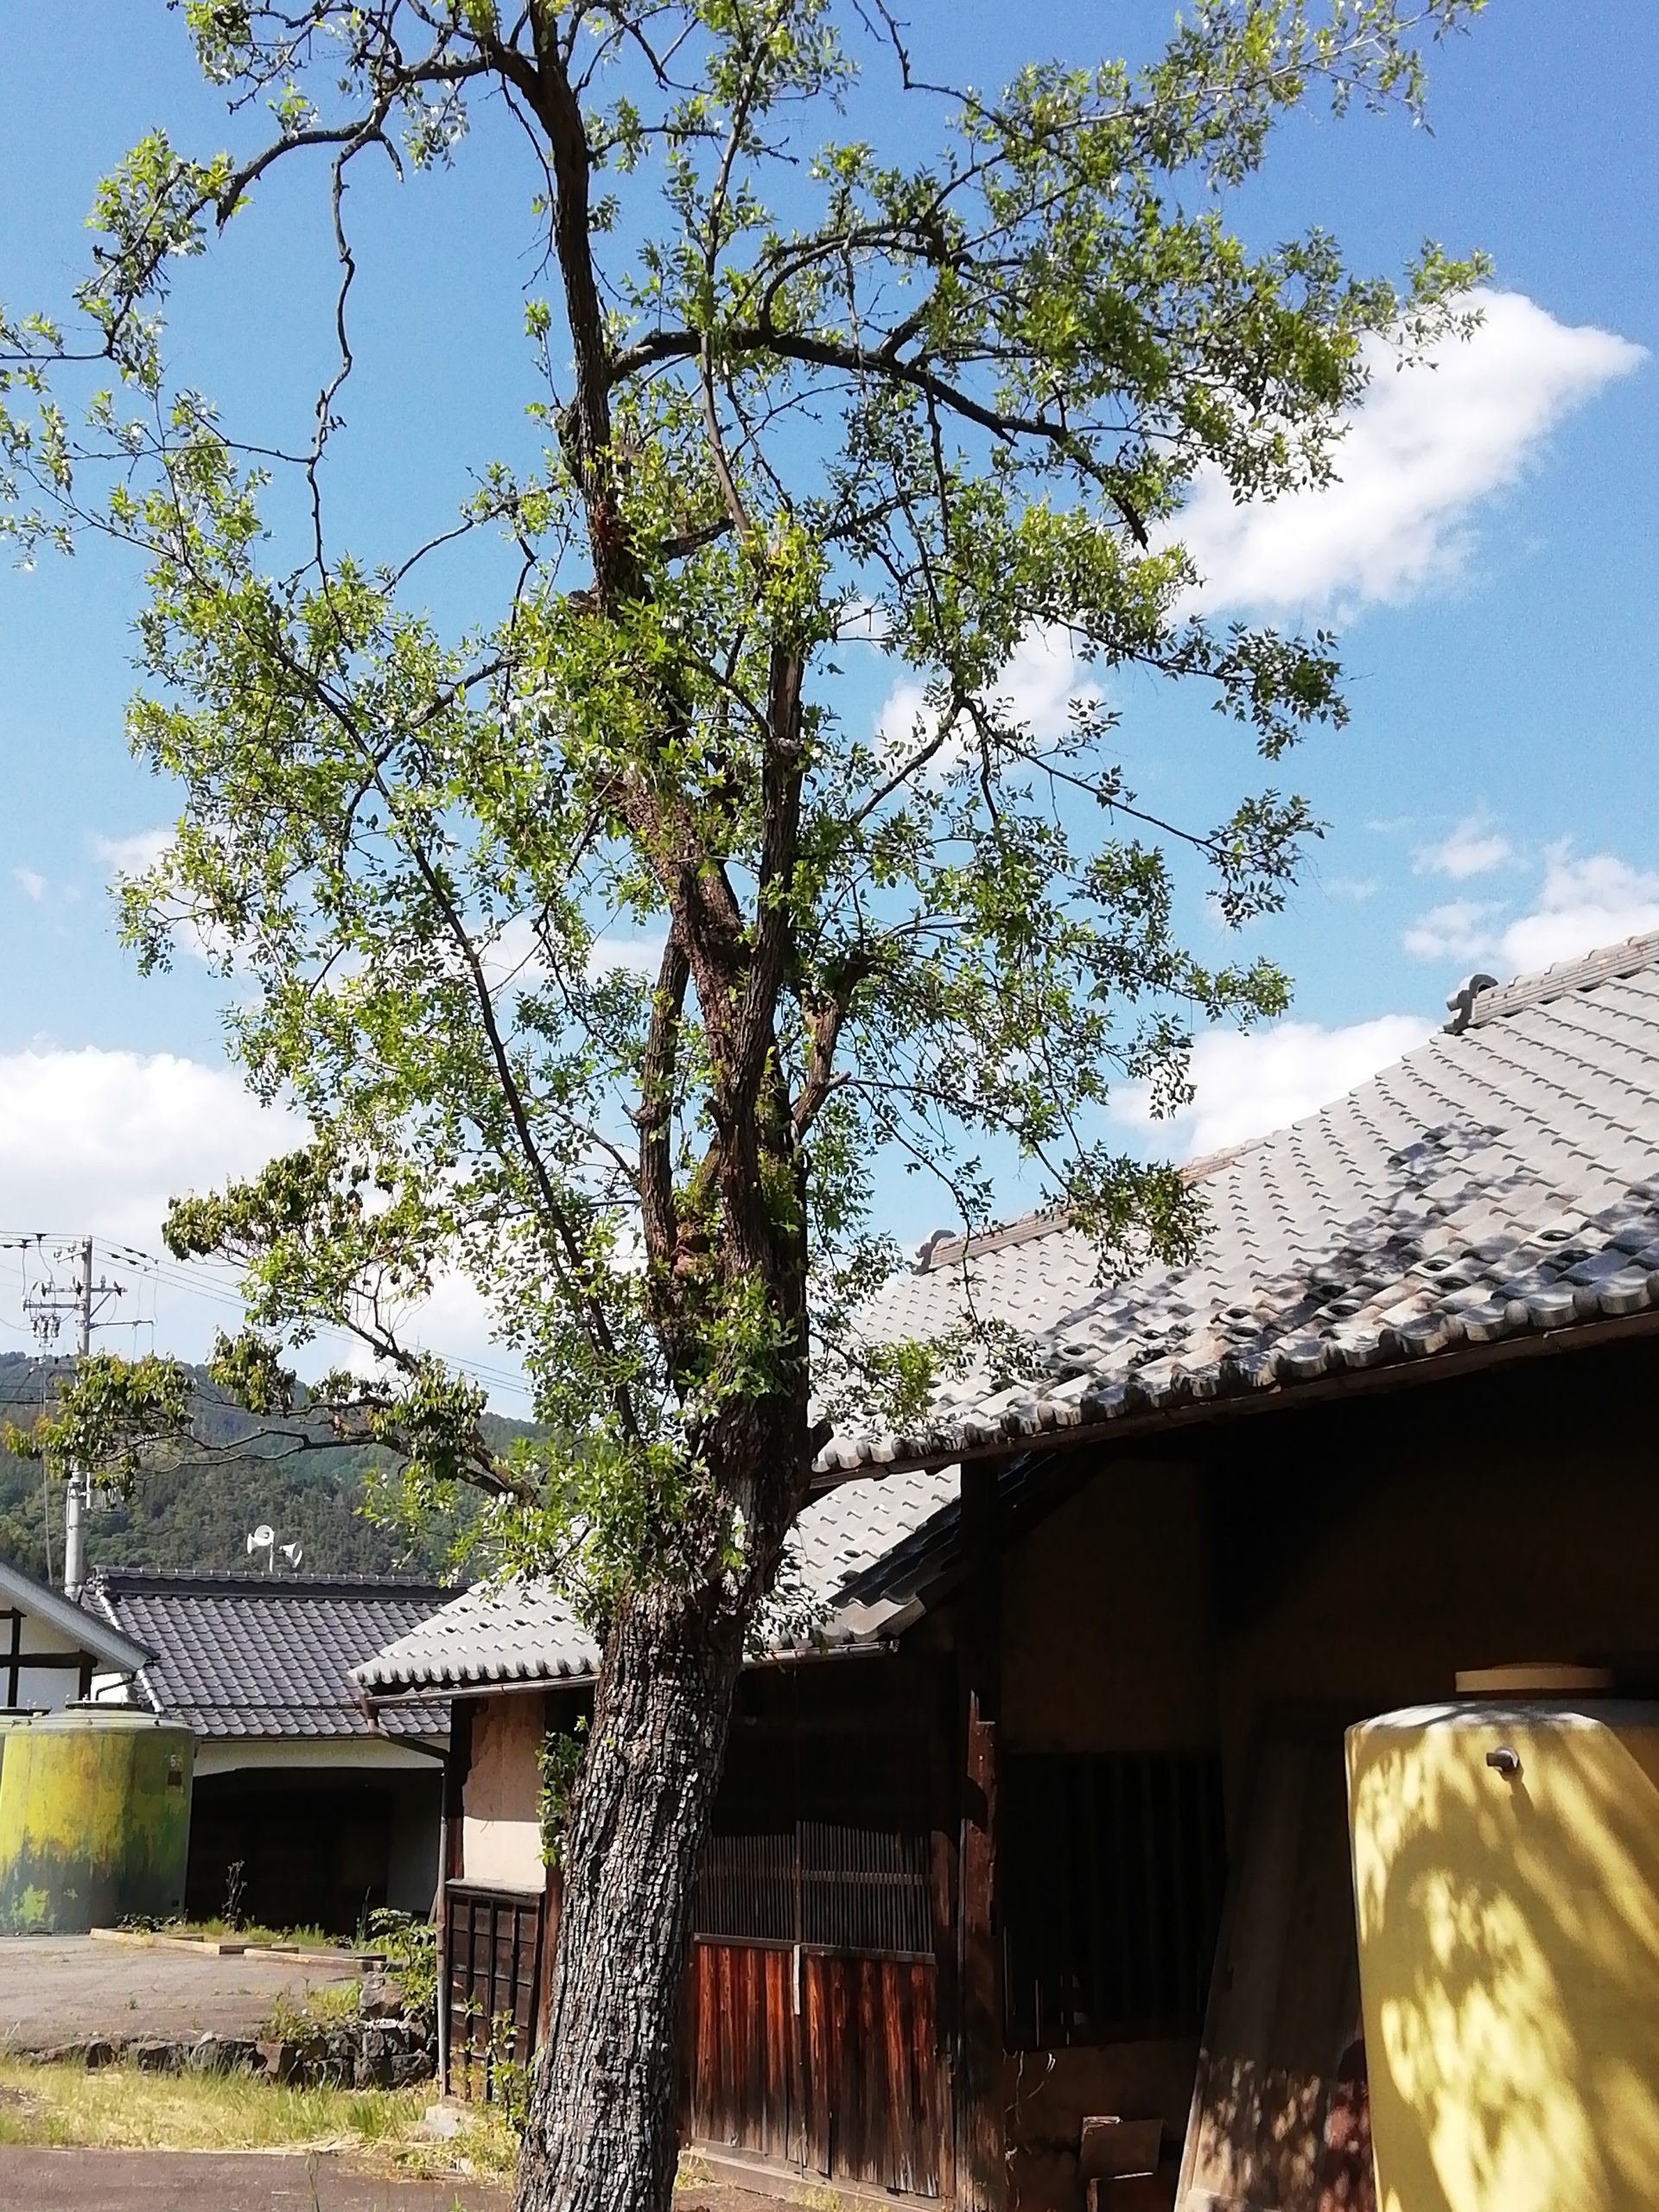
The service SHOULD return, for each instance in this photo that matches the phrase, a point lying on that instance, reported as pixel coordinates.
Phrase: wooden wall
(1357, 1554)
(1365, 1552)
(1106, 1619)
(1106, 1611)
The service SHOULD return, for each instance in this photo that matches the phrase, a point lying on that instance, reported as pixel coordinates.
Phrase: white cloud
(1584, 904)
(1474, 848)
(643, 955)
(1464, 929)
(31, 883)
(517, 958)
(1581, 905)
(100, 1141)
(1042, 676)
(1424, 446)
(1248, 1086)
(132, 855)
(862, 622)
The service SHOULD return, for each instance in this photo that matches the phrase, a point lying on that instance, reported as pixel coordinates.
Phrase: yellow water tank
(1506, 1876)
(94, 1819)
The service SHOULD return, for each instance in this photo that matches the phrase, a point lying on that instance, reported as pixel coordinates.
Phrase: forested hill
(198, 1514)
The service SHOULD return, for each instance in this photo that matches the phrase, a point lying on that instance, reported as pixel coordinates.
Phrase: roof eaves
(104, 1639)
(1135, 1407)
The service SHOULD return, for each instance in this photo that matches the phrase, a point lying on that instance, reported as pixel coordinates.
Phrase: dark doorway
(317, 1850)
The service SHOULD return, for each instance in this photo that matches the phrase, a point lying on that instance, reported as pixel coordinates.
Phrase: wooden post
(981, 2169)
(451, 1864)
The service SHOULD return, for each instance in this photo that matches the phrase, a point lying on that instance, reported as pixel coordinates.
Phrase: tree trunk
(603, 2126)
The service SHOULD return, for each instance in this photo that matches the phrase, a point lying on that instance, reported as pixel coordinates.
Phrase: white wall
(39, 1688)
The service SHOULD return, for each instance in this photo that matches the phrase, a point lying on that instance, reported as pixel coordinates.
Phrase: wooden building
(1047, 1823)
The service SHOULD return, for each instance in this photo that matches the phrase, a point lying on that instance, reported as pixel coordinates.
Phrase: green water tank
(94, 1819)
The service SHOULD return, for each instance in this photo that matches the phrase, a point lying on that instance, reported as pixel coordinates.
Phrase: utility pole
(78, 1481)
(48, 1306)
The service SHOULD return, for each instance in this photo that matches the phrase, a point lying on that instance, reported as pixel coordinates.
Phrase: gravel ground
(57, 1989)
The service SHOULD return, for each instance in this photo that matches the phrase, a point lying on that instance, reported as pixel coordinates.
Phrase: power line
(166, 1273)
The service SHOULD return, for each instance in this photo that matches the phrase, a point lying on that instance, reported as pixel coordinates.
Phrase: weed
(236, 1893)
(224, 1930)
(119, 2109)
(328, 2004)
(410, 1948)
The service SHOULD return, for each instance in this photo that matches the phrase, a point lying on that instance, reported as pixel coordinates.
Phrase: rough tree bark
(604, 2121)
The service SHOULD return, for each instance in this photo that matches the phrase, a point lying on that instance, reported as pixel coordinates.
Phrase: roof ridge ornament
(1461, 1003)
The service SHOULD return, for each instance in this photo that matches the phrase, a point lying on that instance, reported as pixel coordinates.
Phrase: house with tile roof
(1042, 1819)
(327, 1806)
(50, 1653)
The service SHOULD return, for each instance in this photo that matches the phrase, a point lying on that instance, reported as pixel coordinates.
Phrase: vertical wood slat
(1110, 1892)
(863, 2048)
(493, 1970)
(826, 1897)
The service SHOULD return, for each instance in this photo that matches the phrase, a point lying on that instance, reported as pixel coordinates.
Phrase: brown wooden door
(871, 2068)
(493, 1971)
(813, 2032)
(836, 2074)
(741, 2070)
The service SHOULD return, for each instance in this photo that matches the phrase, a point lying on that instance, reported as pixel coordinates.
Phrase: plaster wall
(344, 1756)
(501, 1826)
(39, 1688)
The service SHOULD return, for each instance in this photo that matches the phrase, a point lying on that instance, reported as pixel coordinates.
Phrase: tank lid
(83, 1714)
(1534, 1678)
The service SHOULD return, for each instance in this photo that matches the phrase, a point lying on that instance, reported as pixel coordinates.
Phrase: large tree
(834, 360)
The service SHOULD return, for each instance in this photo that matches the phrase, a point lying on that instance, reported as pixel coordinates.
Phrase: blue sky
(1489, 558)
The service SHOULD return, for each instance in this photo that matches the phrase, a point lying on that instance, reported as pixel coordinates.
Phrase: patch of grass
(65, 2107)
(119, 2109)
(244, 1932)
(329, 2005)
(486, 2144)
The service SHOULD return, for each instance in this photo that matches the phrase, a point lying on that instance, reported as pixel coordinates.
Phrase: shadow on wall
(1509, 1929)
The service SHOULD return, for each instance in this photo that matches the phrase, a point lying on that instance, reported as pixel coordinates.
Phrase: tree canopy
(810, 382)
(795, 390)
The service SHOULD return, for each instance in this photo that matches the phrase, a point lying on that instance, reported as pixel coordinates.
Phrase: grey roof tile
(263, 1656)
(523, 1631)
(1502, 1178)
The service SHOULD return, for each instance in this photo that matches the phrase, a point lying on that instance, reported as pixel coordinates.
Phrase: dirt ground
(161, 2181)
(57, 1989)
(167, 2180)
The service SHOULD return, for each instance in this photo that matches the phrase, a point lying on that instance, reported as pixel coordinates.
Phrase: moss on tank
(94, 1819)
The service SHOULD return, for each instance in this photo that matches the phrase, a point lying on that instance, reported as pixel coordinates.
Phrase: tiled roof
(521, 1631)
(117, 1652)
(263, 1656)
(1500, 1181)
